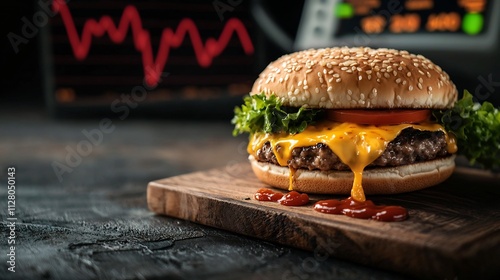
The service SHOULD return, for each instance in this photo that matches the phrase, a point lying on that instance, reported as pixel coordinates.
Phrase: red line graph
(131, 20)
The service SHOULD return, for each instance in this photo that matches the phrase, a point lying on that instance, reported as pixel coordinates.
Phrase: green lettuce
(477, 130)
(267, 114)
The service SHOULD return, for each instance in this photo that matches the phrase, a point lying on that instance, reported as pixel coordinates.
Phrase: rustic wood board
(453, 229)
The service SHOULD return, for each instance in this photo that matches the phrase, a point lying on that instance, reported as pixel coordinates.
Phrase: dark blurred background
(106, 75)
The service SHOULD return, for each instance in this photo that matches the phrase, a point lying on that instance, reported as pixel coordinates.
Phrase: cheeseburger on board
(349, 120)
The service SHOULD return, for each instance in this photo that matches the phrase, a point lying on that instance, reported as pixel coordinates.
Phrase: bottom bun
(388, 180)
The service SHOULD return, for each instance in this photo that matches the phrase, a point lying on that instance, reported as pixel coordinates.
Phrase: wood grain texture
(453, 229)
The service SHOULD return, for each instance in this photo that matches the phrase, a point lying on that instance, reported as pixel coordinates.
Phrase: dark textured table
(94, 223)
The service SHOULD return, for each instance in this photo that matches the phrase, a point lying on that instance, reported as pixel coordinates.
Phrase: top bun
(357, 78)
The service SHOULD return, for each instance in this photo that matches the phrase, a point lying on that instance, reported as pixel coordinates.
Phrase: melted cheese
(356, 145)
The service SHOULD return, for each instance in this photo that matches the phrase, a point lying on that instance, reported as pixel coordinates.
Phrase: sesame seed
(338, 80)
(349, 92)
(306, 87)
(429, 88)
(330, 80)
(420, 80)
(361, 96)
(321, 80)
(308, 71)
(323, 99)
(360, 77)
(419, 85)
(281, 80)
(289, 93)
(336, 75)
(344, 68)
(398, 97)
(349, 71)
(428, 74)
(408, 74)
(299, 84)
(330, 88)
(296, 91)
(305, 82)
(398, 80)
(387, 75)
(410, 88)
(369, 77)
(374, 92)
(362, 102)
(316, 90)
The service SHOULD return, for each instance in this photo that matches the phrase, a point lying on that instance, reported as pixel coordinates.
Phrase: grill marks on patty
(410, 146)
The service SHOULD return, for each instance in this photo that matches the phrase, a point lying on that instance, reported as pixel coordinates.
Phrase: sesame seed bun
(357, 78)
(389, 180)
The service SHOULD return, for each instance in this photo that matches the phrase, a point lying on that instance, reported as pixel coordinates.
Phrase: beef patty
(410, 146)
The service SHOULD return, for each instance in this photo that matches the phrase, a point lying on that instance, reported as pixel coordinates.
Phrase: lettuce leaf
(266, 114)
(477, 130)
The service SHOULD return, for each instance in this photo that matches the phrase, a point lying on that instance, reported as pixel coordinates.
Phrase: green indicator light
(472, 23)
(344, 10)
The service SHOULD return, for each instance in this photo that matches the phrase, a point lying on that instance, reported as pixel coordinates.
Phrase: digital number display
(467, 17)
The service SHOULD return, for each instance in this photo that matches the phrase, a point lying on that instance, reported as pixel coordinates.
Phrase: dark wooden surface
(95, 224)
(448, 235)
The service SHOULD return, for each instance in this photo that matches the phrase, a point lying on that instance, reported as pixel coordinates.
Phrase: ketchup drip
(292, 198)
(267, 195)
(349, 206)
(361, 210)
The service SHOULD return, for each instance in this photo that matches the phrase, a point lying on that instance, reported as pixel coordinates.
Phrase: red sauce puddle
(362, 210)
(348, 206)
(292, 198)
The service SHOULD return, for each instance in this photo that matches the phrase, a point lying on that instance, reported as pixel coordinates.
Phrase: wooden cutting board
(453, 229)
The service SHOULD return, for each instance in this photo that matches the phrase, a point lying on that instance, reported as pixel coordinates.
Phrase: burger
(349, 121)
